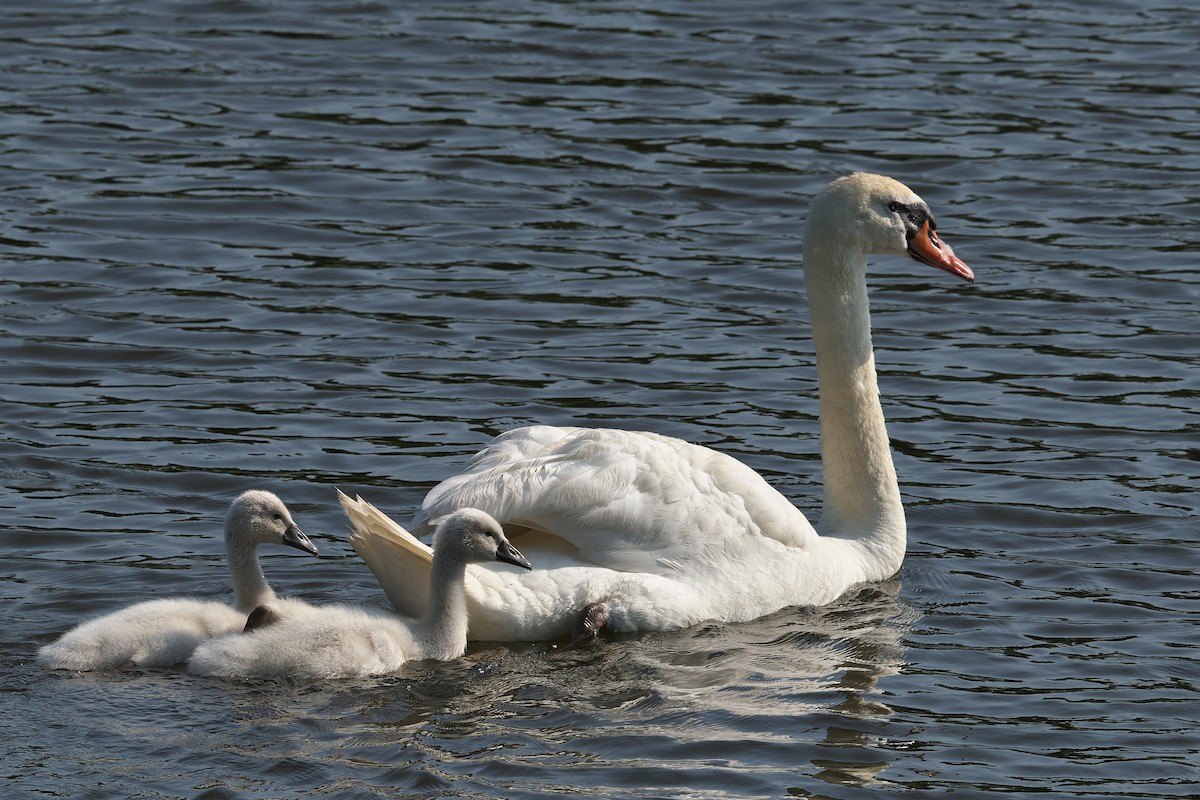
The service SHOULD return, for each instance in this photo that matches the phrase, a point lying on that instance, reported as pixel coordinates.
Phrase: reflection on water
(741, 705)
(293, 246)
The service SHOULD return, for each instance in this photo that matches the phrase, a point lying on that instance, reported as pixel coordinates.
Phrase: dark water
(305, 244)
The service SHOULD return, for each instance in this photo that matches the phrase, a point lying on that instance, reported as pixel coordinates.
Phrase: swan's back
(156, 633)
(627, 500)
(333, 642)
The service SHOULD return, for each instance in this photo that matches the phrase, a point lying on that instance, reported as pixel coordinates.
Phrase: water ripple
(302, 245)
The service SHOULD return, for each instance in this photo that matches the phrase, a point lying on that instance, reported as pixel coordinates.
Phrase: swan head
(259, 517)
(474, 537)
(878, 215)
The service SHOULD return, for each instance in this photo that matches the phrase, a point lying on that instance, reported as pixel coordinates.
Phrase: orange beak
(928, 248)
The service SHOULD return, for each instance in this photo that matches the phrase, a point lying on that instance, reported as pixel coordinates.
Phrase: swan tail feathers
(401, 562)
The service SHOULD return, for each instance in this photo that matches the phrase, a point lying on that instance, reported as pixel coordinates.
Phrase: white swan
(662, 534)
(344, 641)
(163, 632)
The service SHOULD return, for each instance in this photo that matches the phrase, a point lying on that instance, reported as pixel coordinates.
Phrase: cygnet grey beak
(294, 537)
(511, 555)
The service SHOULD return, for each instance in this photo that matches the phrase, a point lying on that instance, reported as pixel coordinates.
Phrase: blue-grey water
(294, 245)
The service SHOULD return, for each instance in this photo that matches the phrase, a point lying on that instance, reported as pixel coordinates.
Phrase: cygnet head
(875, 214)
(259, 517)
(471, 536)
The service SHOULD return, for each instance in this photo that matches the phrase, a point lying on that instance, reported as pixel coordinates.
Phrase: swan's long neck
(862, 498)
(250, 587)
(443, 629)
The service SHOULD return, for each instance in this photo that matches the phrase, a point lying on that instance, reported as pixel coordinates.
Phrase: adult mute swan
(661, 534)
(159, 633)
(344, 641)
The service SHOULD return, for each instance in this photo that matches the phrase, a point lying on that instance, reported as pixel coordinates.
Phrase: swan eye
(911, 214)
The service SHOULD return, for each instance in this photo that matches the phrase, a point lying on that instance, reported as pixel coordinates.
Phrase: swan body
(345, 641)
(163, 632)
(666, 534)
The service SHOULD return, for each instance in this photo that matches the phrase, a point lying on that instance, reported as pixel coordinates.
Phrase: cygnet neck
(444, 626)
(250, 587)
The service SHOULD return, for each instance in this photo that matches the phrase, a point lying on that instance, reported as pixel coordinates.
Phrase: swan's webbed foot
(261, 617)
(593, 617)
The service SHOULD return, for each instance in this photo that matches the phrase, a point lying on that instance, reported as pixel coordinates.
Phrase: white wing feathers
(624, 500)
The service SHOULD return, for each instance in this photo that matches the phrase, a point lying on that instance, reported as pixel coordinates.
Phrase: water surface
(299, 245)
